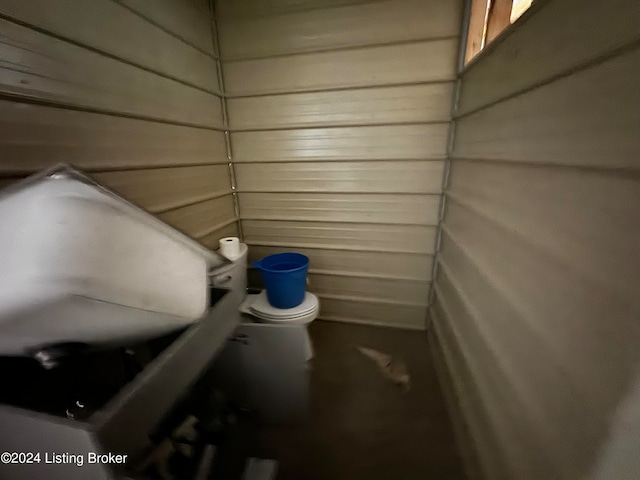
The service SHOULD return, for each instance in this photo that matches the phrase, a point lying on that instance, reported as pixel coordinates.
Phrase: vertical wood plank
(499, 18)
(476, 28)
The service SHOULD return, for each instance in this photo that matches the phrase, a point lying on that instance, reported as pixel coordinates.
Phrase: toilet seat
(262, 306)
(280, 317)
(304, 320)
(258, 306)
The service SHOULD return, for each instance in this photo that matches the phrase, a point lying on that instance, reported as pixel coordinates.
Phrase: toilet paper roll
(230, 247)
(232, 276)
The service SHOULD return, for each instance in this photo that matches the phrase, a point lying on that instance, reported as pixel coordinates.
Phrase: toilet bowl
(256, 307)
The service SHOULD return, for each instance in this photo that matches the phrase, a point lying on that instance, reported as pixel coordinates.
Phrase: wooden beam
(476, 28)
(499, 18)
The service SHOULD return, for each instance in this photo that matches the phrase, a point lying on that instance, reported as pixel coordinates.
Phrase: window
(488, 19)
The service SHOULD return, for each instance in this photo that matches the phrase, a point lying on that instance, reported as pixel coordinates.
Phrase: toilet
(258, 306)
(255, 307)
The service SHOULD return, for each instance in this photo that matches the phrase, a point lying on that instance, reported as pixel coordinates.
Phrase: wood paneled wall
(537, 311)
(339, 112)
(126, 90)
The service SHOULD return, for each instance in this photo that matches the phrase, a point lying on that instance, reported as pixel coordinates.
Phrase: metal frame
(225, 116)
(466, 15)
(123, 425)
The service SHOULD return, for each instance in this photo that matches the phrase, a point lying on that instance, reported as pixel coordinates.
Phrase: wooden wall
(126, 90)
(537, 312)
(339, 113)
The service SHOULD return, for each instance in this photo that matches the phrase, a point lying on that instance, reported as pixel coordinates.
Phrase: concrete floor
(363, 426)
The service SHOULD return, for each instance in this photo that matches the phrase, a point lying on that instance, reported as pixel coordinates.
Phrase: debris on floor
(362, 425)
(392, 368)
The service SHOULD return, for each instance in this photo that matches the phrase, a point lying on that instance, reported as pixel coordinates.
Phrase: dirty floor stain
(363, 426)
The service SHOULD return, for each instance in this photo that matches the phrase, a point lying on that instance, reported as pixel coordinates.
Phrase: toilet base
(256, 310)
(308, 344)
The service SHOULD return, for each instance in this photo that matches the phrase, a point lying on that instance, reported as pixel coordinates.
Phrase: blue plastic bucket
(285, 278)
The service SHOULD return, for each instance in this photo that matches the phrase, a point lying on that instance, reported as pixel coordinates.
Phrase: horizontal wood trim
(406, 292)
(581, 217)
(529, 54)
(217, 227)
(169, 193)
(110, 28)
(186, 19)
(199, 220)
(374, 66)
(164, 189)
(479, 450)
(211, 240)
(528, 405)
(346, 310)
(339, 122)
(536, 290)
(495, 439)
(155, 198)
(515, 275)
(385, 265)
(368, 106)
(359, 288)
(37, 66)
(588, 119)
(339, 27)
(342, 177)
(230, 9)
(348, 236)
(356, 208)
(33, 137)
(406, 142)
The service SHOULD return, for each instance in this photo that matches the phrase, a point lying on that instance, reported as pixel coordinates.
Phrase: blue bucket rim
(258, 263)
